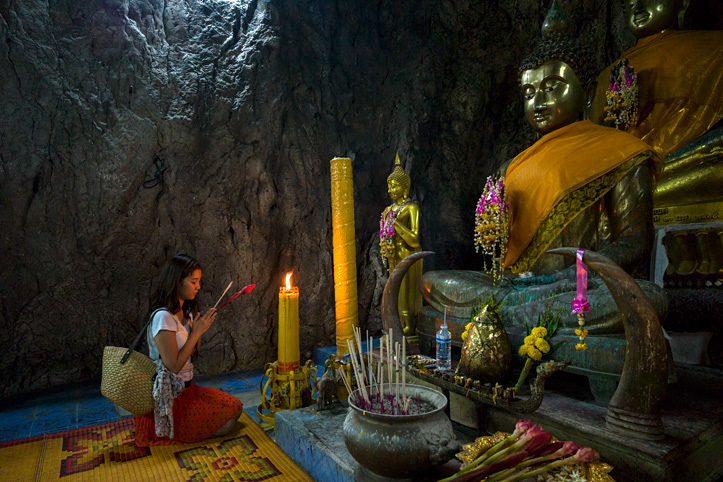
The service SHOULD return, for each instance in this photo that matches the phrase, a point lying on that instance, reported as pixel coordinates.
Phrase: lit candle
(288, 327)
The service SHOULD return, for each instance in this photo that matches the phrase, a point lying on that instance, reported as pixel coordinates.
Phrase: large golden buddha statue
(680, 106)
(399, 237)
(580, 185)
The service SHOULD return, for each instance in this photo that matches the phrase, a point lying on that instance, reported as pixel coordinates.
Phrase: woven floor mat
(106, 452)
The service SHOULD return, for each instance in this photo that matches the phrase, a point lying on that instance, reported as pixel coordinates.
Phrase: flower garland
(622, 96)
(492, 225)
(386, 236)
(580, 306)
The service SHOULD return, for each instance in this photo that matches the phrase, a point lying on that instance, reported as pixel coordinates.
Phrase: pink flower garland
(386, 236)
(580, 306)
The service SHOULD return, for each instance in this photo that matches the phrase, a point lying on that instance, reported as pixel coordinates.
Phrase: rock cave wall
(243, 103)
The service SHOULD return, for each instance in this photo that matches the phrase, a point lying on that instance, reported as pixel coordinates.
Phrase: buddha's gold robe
(584, 186)
(563, 174)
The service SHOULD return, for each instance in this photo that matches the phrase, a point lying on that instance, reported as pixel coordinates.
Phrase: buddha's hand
(521, 283)
(547, 285)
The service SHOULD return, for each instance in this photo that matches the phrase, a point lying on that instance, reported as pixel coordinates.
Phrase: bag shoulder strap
(138, 338)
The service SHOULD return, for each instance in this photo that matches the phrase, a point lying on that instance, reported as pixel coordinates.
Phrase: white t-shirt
(165, 320)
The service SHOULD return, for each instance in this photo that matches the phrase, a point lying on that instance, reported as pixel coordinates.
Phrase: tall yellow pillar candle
(342, 212)
(288, 327)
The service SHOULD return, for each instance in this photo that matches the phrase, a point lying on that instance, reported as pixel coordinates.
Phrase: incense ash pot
(487, 351)
(398, 447)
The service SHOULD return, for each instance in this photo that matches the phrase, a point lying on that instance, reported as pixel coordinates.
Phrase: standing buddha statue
(399, 237)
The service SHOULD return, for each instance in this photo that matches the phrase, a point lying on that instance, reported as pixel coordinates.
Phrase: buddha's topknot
(400, 175)
(558, 43)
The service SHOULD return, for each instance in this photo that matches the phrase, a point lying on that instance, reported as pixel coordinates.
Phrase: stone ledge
(314, 441)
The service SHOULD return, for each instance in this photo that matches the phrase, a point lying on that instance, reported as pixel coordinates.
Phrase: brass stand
(289, 391)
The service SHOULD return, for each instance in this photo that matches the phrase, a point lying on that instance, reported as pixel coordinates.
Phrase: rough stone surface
(244, 102)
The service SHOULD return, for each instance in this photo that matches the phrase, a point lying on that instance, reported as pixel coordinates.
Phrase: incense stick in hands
(223, 294)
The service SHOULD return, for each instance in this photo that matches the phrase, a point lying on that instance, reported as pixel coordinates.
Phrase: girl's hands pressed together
(202, 324)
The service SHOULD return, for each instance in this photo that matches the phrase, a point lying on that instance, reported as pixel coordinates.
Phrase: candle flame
(288, 280)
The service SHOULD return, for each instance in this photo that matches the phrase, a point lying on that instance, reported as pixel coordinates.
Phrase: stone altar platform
(691, 451)
(692, 416)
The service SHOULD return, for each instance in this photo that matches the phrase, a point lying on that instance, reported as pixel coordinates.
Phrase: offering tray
(424, 368)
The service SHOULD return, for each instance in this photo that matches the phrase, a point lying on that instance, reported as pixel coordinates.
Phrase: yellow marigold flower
(539, 332)
(534, 353)
(523, 350)
(530, 340)
(580, 332)
(542, 345)
(581, 346)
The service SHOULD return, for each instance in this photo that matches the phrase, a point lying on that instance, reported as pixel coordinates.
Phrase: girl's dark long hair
(166, 292)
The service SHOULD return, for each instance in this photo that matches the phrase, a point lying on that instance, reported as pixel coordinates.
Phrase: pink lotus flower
(585, 455)
(540, 440)
(570, 448)
(487, 470)
(534, 430)
(551, 449)
(522, 427)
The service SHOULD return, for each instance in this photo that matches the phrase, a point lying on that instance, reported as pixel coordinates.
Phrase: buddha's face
(553, 96)
(396, 190)
(648, 17)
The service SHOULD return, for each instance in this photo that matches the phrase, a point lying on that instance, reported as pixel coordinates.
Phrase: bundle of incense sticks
(371, 393)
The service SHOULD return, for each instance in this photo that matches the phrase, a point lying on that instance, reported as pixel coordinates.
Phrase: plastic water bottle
(444, 346)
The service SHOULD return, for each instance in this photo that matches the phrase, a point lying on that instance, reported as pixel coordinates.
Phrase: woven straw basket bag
(128, 377)
(130, 384)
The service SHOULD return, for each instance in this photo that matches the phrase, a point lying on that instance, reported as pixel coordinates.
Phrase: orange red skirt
(198, 413)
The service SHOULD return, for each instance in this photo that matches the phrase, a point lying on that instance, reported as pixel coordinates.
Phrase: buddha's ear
(589, 98)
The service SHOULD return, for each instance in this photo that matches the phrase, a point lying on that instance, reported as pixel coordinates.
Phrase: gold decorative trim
(569, 207)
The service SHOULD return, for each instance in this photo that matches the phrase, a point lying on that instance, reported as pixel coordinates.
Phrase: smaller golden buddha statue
(399, 237)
